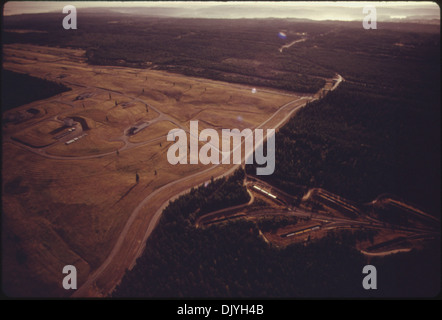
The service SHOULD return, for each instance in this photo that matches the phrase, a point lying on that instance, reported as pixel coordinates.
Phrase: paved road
(131, 249)
(178, 184)
(123, 138)
(329, 221)
(360, 220)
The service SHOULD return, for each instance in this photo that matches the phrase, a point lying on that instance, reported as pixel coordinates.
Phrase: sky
(263, 9)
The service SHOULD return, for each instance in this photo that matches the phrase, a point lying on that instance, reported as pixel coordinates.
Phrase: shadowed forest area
(19, 89)
(232, 260)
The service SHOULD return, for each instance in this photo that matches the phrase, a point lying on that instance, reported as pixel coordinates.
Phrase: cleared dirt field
(39, 135)
(72, 203)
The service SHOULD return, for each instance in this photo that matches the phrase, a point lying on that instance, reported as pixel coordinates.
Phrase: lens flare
(282, 35)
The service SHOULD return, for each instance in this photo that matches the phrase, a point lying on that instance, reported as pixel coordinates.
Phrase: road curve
(89, 283)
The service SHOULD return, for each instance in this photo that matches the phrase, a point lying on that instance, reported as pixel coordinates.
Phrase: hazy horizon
(345, 11)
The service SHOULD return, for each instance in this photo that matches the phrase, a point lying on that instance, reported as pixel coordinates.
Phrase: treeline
(19, 89)
(398, 63)
(218, 194)
(267, 224)
(247, 51)
(360, 145)
(351, 237)
(379, 132)
(289, 82)
(233, 261)
(241, 51)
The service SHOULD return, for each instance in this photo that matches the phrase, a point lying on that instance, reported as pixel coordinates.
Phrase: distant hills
(425, 12)
(238, 11)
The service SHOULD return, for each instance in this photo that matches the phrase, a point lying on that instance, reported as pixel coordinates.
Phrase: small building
(68, 122)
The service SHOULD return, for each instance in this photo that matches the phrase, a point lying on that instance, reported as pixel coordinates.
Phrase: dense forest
(19, 89)
(360, 144)
(232, 260)
(241, 51)
(379, 132)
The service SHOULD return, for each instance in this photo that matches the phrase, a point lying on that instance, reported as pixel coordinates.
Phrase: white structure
(68, 122)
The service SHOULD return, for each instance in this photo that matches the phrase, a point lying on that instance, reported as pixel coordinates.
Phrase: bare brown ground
(79, 204)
